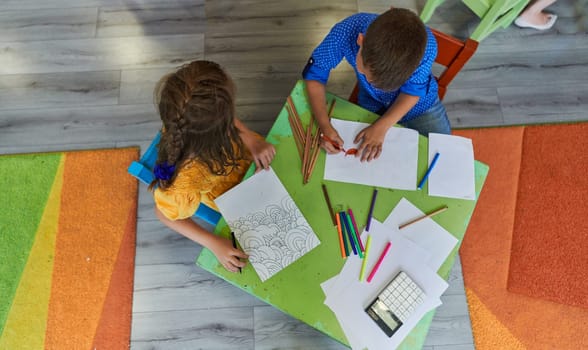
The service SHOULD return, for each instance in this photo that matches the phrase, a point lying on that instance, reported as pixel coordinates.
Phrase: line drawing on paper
(275, 237)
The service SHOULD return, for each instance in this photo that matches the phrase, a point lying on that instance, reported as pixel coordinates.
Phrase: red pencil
(380, 259)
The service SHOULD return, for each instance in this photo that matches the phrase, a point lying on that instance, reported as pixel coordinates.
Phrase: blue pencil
(422, 183)
(347, 253)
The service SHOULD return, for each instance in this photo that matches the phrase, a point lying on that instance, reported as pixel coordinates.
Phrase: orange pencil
(343, 251)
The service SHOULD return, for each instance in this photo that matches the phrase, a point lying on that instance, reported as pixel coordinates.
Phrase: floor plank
(226, 328)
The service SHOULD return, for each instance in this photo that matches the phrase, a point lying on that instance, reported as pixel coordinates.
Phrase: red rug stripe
(549, 256)
(114, 328)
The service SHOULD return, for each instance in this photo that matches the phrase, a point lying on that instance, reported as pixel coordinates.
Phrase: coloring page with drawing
(267, 223)
(395, 168)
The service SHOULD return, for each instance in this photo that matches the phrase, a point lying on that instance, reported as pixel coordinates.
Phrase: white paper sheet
(267, 223)
(427, 234)
(453, 175)
(395, 168)
(348, 297)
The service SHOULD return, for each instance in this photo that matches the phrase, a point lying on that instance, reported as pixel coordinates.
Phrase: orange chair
(452, 53)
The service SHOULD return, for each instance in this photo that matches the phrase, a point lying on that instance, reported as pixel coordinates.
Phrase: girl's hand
(371, 139)
(227, 255)
(262, 152)
(331, 141)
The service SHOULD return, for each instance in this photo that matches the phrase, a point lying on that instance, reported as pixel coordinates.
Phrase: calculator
(395, 303)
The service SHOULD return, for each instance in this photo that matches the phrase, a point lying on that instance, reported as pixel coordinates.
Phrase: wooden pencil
(316, 145)
(295, 134)
(440, 210)
(328, 200)
(307, 145)
(295, 121)
(316, 149)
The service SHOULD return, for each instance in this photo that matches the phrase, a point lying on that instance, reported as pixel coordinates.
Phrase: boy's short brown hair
(393, 47)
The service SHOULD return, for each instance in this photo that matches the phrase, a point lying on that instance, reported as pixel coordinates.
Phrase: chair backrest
(452, 53)
(143, 171)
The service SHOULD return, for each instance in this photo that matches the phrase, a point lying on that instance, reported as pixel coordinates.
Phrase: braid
(196, 105)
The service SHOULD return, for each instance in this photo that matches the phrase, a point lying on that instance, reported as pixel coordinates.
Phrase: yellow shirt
(193, 184)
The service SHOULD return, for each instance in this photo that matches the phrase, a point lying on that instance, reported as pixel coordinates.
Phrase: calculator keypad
(396, 303)
(402, 296)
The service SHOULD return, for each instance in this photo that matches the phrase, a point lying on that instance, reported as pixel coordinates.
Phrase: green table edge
(288, 281)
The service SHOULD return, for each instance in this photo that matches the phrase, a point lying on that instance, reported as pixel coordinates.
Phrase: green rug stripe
(25, 181)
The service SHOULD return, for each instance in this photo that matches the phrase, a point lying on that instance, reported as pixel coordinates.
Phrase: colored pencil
(346, 233)
(295, 132)
(356, 230)
(371, 212)
(365, 258)
(424, 179)
(440, 210)
(235, 245)
(341, 243)
(354, 235)
(328, 200)
(315, 147)
(349, 232)
(380, 259)
(335, 144)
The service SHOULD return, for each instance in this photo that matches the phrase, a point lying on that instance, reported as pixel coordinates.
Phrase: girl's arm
(262, 152)
(221, 247)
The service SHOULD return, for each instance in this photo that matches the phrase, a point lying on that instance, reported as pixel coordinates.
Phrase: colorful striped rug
(497, 238)
(67, 248)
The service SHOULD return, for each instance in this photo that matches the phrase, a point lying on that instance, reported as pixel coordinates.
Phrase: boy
(392, 55)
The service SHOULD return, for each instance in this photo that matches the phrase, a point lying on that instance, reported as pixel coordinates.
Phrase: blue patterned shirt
(341, 42)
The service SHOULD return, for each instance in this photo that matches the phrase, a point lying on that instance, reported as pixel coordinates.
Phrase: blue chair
(143, 170)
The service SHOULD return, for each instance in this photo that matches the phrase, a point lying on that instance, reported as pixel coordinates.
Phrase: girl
(204, 151)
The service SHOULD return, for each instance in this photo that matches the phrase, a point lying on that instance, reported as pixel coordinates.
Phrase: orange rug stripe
(94, 212)
(549, 256)
(485, 253)
(496, 335)
(113, 331)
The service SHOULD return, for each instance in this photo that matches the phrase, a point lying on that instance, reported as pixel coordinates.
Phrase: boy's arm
(372, 137)
(317, 98)
(262, 152)
(221, 247)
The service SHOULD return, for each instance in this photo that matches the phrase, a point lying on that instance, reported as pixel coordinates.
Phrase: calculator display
(383, 317)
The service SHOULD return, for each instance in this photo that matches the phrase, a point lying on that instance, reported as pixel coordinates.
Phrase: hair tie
(164, 171)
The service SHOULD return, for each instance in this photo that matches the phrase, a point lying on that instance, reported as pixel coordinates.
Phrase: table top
(296, 289)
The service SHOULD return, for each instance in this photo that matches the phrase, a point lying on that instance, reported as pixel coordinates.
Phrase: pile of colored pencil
(307, 141)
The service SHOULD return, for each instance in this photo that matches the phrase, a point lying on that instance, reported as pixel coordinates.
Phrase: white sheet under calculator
(395, 303)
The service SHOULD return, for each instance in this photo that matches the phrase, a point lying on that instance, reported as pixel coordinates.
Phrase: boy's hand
(227, 255)
(371, 139)
(331, 142)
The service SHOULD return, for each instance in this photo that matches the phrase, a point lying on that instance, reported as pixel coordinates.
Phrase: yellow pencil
(365, 257)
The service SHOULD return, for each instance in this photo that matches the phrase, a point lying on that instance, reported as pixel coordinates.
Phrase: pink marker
(380, 259)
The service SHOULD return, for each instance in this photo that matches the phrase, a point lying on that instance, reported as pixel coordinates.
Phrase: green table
(296, 289)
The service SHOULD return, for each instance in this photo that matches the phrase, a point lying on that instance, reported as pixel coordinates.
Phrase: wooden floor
(79, 75)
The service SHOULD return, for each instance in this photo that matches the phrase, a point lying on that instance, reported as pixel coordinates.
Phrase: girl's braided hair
(196, 105)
